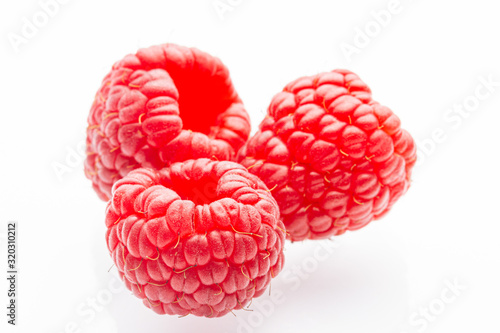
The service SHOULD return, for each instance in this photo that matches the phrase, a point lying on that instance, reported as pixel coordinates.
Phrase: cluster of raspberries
(197, 212)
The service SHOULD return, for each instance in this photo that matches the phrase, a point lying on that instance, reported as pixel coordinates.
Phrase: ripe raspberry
(199, 237)
(334, 158)
(164, 104)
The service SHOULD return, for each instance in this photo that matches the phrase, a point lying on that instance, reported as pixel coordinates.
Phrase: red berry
(199, 237)
(334, 158)
(164, 104)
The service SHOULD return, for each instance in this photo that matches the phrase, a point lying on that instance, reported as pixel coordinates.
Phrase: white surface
(428, 58)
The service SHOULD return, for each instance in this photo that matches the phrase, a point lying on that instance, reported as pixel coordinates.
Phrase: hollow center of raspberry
(202, 97)
(200, 192)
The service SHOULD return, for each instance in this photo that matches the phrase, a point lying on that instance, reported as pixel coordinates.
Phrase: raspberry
(164, 104)
(199, 237)
(334, 158)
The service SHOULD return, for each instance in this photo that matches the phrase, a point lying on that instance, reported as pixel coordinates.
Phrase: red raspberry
(199, 237)
(164, 104)
(334, 158)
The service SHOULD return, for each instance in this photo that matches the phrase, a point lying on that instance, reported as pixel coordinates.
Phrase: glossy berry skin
(200, 237)
(334, 158)
(164, 104)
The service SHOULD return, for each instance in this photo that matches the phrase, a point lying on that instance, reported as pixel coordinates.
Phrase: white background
(428, 58)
